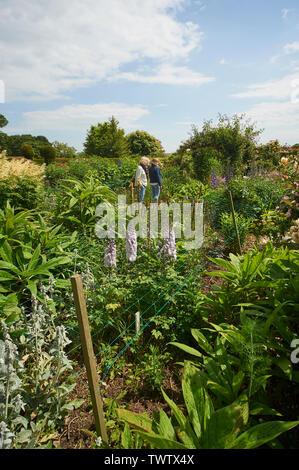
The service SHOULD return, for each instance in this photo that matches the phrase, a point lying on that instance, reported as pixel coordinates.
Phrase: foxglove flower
(110, 254)
(168, 249)
(131, 245)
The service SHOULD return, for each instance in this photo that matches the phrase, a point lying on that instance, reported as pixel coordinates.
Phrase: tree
(232, 141)
(64, 150)
(142, 143)
(48, 153)
(106, 140)
(27, 151)
(15, 142)
(3, 121)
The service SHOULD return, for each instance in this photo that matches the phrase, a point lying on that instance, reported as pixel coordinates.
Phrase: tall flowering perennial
(131, 245)
(168, 250)
(214, 180)
(110, 254)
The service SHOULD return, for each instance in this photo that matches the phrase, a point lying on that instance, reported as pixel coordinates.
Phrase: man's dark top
(155, 175)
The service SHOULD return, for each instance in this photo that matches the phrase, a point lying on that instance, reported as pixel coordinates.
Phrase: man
(155, 179)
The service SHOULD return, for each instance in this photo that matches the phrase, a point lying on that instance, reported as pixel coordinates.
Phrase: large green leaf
(261, 434)
(139, 421)
(224, 425)
(159, 442)
(194, 397)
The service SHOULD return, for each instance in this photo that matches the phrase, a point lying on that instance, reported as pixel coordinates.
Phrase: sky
(156, 65)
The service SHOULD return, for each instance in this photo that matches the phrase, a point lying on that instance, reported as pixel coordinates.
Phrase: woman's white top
(140, 175)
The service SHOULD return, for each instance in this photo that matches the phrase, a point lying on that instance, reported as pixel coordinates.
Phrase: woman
(141, 176)
(155, 179)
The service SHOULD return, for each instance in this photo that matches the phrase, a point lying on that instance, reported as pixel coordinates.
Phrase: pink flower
(289, 213)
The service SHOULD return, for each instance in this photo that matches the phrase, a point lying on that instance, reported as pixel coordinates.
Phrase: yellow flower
(284, 161)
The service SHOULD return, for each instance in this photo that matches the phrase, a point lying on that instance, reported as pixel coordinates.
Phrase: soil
(80, 423)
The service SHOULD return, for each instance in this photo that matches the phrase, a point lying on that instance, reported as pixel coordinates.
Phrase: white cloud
(223, 62)
(49, 49)
(291, 47)
(79, 117)
(279, 119)
(274, 89)
(167, 74)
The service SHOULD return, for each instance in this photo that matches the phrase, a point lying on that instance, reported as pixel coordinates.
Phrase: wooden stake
(234, 219)
(89, 357)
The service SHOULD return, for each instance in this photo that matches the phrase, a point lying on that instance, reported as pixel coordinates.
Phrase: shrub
(252, 196)
(55, 174)
(21, 182)
(229, 232)
(48, 153)
(27, 151)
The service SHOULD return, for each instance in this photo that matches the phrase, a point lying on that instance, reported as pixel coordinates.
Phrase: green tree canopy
(27, 151)
(48, 153)
(106, 140)
(142, 143)
(3, 121)
(232, 141)
(64, 150)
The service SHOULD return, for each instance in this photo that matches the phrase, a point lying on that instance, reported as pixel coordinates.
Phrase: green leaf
(165, 427)
(194, 397)
(185, 432)
(187, 349)
(159, 442)
(34, 259)
(202, 340)
(261, 434)
(126, 438)
(135, 420)
(224, 425)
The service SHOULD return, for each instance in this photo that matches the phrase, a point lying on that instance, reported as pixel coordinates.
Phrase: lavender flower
(131, 245)
(110, 254)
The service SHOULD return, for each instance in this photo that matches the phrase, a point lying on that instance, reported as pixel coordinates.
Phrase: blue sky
(156, 65)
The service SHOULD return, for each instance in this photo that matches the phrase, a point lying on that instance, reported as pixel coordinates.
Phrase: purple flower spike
(214, 180)
(131, 245)
(168, 249)
(110, 254)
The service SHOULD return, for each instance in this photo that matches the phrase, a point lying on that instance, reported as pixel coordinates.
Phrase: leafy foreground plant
(203, 427)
